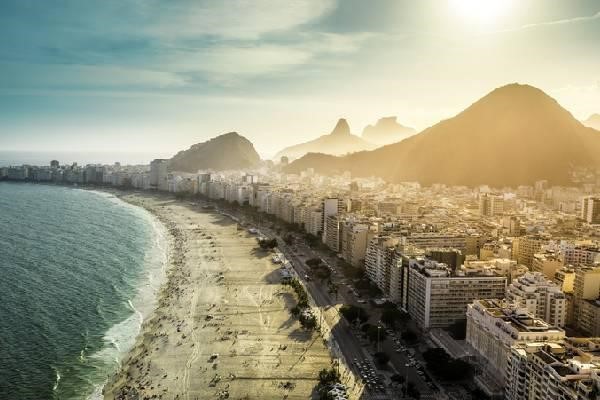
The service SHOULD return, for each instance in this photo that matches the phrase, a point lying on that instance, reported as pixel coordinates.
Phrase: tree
(376, 333)
(328, 376)
(391, 316)
(398, 378)
(313, 262)
(352, 313)
(267, 244)
(311, 240)
(288, 239)
(412, 391)
(442, 365)
(409, 336)
(323, 273)
(381, 358)
(308, 322)
(333, 289)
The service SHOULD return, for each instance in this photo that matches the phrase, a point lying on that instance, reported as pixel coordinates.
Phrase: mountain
(340, 141)
(224, 152)
(593, 122)
(386, 130)
(515, 135)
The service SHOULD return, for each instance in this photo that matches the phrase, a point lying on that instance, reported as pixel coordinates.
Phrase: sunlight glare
(480, 11)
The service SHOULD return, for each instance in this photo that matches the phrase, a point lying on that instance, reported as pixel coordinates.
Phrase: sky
(158, 76)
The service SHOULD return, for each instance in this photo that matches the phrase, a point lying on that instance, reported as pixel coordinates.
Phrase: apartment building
(546, 263)
(332, 233)
(436, 239)
(493, 326)
(590, 209)
(314, 221)
(575, 254)
(528, 246)
(437, 297)
(585, 288)
(565, 279)
(159, 174)
(380, 260)
(565, 370)
(490, 204)
(540, 296)
(330, 206)
(354, 241)
(588, 320)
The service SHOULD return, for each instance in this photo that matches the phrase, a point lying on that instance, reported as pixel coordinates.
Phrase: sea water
(79, 271)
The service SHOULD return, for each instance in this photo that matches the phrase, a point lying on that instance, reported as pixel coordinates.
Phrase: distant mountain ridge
(386, 131)
(340, 141)
(593, 122)
(514, 135)
(225, 152)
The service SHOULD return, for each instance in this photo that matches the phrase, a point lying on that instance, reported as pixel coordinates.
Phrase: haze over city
(307, 199)
(156, 77)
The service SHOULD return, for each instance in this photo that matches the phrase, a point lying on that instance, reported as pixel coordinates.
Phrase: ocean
(79, 270)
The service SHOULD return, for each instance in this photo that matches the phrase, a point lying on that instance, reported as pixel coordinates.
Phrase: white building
(159, 174)
(493, 326)
(540, 296)
(565, 370)
(437, 298)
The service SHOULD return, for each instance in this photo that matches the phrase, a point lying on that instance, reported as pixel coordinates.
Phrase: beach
(222, 327)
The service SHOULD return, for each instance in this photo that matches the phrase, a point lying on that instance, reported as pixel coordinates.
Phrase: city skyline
(158, 78)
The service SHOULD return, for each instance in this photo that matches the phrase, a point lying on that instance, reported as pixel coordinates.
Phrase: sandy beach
(222, 328)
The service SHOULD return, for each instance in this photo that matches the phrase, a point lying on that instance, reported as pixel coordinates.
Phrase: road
(343, 333)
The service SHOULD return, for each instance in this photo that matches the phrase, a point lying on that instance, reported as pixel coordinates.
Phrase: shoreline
(144, 302)
(197, 269)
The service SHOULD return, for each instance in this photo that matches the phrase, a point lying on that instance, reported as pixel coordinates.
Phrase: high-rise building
(588, 320)
(354, 242)
(547, 263)
(330, 206)
(565, 278)
(332, 233)
(490, 204)
(159, 174)
(436, 240)
(527, 247)
(590, 209)
(575, 254)
(586, 287)
(438, 297)
(493, 326)
(540, 296)
(567, 369)
(380, 260)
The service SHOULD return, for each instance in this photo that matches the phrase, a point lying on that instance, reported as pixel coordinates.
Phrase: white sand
(222, 295)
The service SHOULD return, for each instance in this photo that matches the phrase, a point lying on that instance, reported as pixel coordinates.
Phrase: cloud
(85, 77)
(235, 19)
(169, 44)
(553, 23)
(230, 63)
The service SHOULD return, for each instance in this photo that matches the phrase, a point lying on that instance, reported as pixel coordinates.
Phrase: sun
(480, 11)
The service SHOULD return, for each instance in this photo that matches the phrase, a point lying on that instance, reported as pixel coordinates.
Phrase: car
(361, 301)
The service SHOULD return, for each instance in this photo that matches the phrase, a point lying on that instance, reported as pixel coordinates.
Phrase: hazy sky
(158, 76)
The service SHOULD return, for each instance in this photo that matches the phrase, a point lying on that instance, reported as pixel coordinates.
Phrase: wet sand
(222, 328)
